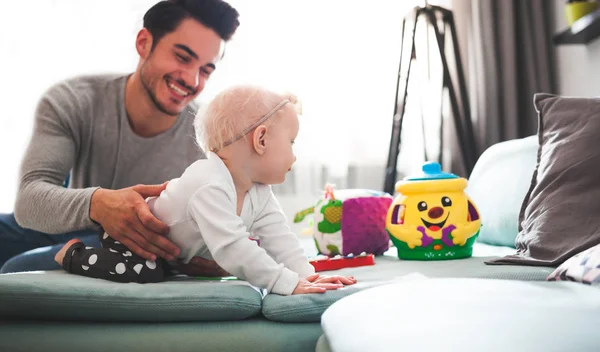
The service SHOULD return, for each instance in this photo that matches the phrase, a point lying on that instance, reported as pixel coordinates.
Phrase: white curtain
(339, 57)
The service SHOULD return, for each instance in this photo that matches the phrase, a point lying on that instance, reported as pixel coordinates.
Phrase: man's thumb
(149, 190)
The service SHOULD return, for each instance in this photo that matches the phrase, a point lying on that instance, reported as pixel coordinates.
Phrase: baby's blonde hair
(234, 110)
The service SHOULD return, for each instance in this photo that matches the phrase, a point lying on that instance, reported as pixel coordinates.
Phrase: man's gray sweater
(81, 126)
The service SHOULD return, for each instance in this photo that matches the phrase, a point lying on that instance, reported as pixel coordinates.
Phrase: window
(339, 57)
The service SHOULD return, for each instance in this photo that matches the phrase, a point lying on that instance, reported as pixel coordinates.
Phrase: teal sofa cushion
(249, 335)
(389, 269)
(498, 185)
(58, 295)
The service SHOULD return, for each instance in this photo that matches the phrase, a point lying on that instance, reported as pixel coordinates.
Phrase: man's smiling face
(175, 71)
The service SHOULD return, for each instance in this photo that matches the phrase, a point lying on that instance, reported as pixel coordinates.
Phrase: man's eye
(182, 58)
(205, 71)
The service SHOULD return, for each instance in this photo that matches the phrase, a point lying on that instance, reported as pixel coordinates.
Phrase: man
(120, 138)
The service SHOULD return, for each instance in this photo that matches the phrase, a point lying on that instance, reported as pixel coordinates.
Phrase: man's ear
(143, 43)
(259, 139)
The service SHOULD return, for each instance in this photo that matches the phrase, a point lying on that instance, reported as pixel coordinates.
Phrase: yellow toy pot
(576, 10)
(432, 218)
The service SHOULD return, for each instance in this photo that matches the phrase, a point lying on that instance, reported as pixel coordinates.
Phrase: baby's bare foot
(61, 254)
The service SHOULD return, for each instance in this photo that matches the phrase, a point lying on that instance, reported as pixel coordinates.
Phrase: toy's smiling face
(430, 211)
(434, 215)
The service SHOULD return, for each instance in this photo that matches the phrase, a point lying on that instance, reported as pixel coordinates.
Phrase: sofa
(53, 311)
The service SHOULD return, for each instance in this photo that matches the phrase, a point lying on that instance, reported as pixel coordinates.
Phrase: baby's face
(279, 157)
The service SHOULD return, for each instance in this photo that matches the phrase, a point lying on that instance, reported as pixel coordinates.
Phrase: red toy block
(324, 263)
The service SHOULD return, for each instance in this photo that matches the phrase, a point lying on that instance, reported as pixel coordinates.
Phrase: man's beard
(157, 104)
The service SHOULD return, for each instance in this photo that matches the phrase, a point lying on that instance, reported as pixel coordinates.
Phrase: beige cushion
(466, 315)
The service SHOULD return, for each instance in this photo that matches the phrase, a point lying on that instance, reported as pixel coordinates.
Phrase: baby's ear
(259, 139)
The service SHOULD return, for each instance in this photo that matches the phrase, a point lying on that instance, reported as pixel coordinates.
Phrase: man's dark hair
(164, 17)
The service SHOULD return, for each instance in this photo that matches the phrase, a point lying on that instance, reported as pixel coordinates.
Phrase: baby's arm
(226, 237)
(277, 238)
(281, 243)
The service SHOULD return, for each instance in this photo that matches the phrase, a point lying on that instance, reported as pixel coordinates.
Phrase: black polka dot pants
(113, 262)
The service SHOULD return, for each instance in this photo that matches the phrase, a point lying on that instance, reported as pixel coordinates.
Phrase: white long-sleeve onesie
(200, 209)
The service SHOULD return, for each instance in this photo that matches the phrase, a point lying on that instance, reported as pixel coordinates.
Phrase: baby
(218, 203)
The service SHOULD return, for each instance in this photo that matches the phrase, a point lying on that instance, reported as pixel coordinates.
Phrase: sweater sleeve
(227, 239)
(276, 237)
(42, 203)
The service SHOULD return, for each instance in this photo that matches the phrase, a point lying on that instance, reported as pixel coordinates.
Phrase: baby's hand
(314, 284)
(337, 279)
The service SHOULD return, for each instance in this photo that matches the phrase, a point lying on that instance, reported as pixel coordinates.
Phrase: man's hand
(199, 266)
(312, 284)
(126, 217)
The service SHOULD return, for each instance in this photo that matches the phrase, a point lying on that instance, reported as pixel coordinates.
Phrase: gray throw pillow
(560, 215)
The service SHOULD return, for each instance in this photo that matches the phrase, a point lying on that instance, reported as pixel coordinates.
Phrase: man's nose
(192, 79)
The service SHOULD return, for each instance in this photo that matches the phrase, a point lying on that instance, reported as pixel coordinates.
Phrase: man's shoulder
(76, 96)
(82, 86)
(95, 79)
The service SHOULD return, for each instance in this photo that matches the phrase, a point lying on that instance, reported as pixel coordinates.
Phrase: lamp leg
(453, 98)
(399, 110)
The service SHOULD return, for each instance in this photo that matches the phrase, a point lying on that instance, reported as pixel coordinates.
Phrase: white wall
(58, 40)
(344, 74)
(578, 66)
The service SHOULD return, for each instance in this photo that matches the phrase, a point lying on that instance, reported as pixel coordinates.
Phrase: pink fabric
(363, 225)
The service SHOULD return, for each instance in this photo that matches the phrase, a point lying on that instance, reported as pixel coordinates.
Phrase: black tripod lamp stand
(442, 22)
